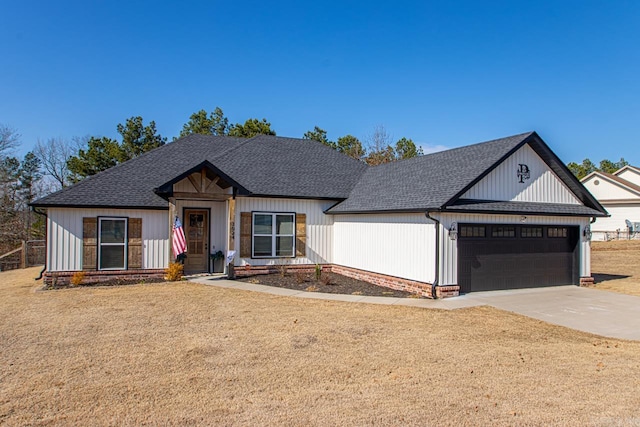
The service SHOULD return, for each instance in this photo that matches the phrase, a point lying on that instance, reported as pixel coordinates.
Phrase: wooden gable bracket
(214, 181)
(195, 184)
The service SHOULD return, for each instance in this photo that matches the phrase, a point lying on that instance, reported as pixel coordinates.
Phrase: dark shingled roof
(426, 182)
(290, 167)
(287, 167)
(263, 165)
(435, 181)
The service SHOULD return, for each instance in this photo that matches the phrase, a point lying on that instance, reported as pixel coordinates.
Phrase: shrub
(174, 271)
(318, 271)
(77, 278)
(326, 280)
(300, 277)
(282, 267)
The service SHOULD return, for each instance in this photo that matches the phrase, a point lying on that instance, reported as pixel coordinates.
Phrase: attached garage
(503, 214)
(498, 257)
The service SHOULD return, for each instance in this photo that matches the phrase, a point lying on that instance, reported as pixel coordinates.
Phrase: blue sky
(442, 73)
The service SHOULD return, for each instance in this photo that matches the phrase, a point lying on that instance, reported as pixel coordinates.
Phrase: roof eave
(299, 197)
(380, 212)
(526, 213)
(88, 206)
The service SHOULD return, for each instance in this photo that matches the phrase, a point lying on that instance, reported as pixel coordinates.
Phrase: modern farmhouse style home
(501, 214)
(619, 193)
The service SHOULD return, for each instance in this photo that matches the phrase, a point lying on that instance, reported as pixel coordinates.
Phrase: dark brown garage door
(493, 257)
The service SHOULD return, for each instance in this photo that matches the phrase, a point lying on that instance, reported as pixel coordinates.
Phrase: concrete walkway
(589, 310)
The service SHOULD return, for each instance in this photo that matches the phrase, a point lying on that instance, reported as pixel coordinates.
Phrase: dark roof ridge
(524, 135)
(238, 145)
(313, 141)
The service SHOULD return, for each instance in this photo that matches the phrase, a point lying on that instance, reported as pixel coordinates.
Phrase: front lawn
(616, 266)
(190, 354)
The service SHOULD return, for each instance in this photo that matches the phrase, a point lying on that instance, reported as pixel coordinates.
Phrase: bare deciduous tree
(8, 140)
(54, 154)
(379, 147)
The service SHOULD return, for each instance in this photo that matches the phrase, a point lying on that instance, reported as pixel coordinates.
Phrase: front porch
(204, 202)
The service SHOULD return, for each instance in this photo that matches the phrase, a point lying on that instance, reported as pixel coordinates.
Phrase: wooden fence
(29, 254)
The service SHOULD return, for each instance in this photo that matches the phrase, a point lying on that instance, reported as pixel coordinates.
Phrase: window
(273, 235)
(472, 231)
(531, 232)
(557, 232)
(112, 243)
(503, 231)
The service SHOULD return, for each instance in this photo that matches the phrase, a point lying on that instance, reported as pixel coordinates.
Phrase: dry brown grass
(185, 354)
(616, 266)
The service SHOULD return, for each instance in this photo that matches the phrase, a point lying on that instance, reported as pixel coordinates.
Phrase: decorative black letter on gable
(523, 173)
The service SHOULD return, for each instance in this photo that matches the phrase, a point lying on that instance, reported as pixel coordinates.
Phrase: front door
(197, 234)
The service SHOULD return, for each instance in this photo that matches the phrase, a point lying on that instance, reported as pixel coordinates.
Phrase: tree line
(56, 163)
(64, 162)
(20, 181)
(580, 170)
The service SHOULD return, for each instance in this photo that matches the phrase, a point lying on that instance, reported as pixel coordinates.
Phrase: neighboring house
(501, 214)
(619, 193)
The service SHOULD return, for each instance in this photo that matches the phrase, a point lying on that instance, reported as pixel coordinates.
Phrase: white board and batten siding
(504, 184)
(449, 248)
(319, 227)
(400, 245)
(64, 235)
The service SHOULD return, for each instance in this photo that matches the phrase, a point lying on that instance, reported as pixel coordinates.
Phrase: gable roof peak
(429, 181)
(626, 167)
(630, 185)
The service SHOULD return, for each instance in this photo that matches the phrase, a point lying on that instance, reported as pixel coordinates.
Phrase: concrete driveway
(599, 312)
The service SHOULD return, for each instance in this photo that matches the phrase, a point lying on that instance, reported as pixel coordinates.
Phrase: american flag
(179, 241)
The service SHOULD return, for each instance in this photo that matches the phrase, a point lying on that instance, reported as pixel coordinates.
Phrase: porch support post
(232, 232)
(172, 215)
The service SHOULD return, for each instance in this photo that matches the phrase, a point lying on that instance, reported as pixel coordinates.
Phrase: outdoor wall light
(523, 219)
(453, 231)
(587, 232)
